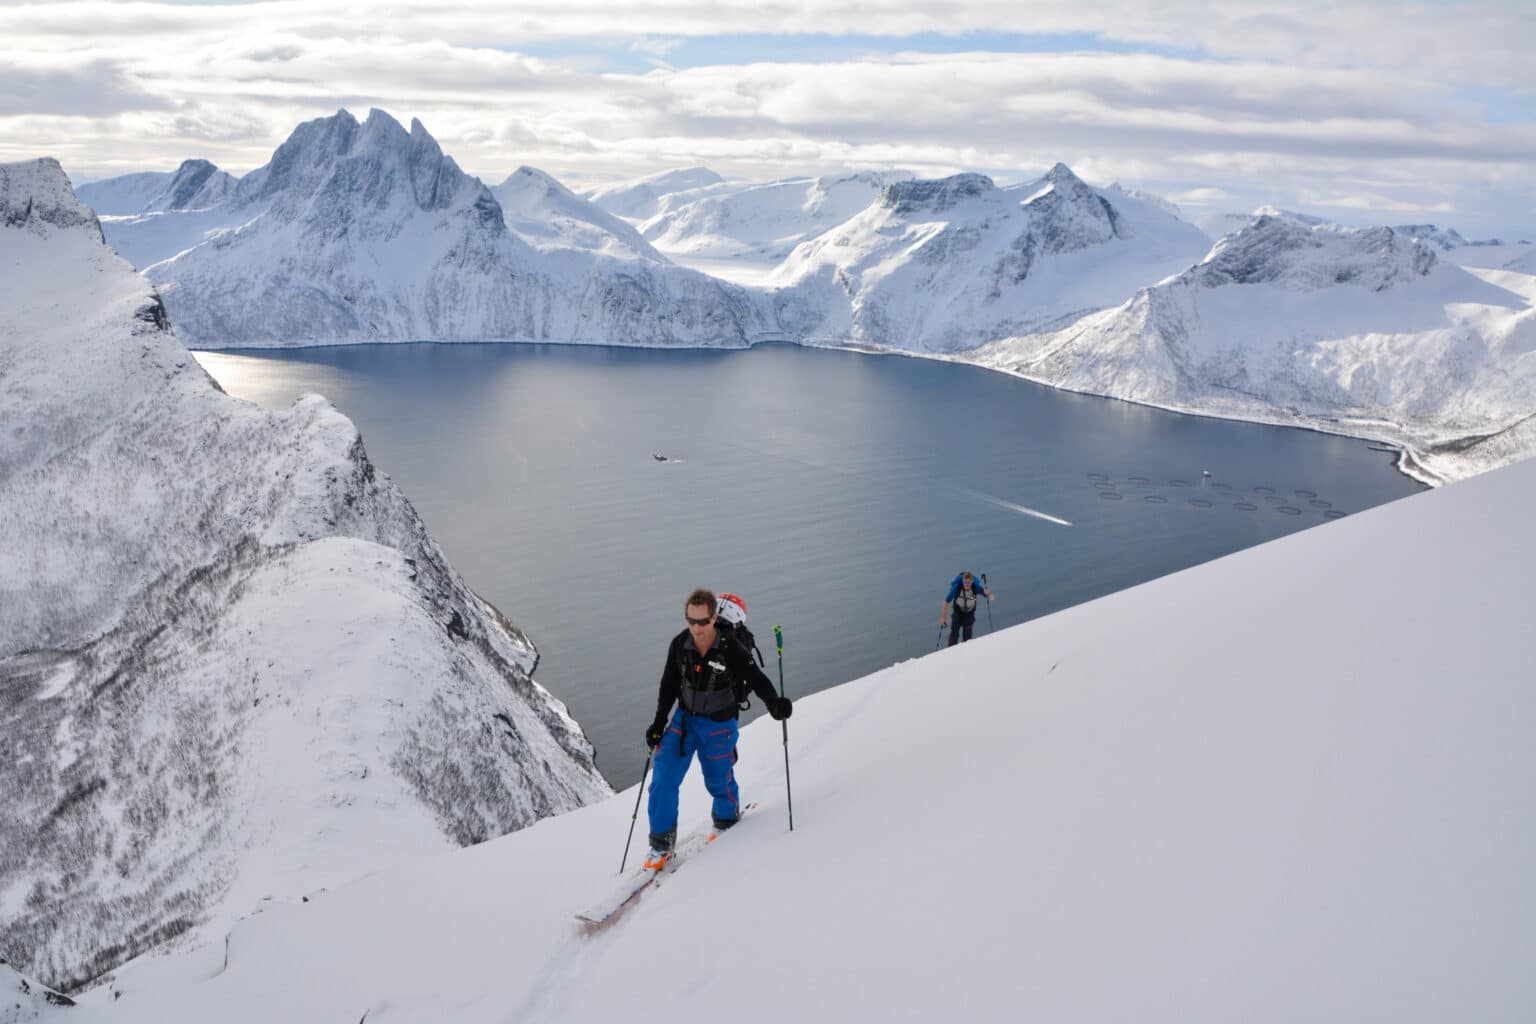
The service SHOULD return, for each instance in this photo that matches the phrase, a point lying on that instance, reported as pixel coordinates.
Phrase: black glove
(781, 708)
(654, 734)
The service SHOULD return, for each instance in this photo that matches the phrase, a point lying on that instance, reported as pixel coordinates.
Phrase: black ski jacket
(701, 686)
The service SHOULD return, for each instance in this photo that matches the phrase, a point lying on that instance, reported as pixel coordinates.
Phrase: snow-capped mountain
(637, 199)
(1222, 224)
(944, 265)
(1445, 239)
(235, 665)
(195, 185)
(760, 221)
(1219, 796)
(124, 195)
(546, 214)
(1362, 331)
(364, 232)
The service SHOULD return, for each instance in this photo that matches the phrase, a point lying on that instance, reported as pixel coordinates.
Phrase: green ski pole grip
(778, 639)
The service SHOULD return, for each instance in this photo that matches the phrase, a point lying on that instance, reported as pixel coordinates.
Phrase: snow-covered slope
(546, 214)
(637, 199)
(22, 999)
(759, 221)
(147, 224)
(195, 185)
(1525, 263)
(1288, 785)
(233, 664)
(945, 265)
(125, 195)
(1222, 224)
(1362, 331)
(364, 232)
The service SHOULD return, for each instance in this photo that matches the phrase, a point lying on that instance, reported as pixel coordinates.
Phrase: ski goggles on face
(699, 622)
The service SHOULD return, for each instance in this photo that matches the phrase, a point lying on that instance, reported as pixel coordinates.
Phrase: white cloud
(1279, 97)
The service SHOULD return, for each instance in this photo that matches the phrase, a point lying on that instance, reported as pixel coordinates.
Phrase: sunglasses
(699, 622)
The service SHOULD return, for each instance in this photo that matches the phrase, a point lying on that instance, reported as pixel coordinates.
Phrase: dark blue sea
(837, 492)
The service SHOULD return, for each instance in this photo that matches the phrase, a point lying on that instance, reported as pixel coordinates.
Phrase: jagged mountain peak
(1061, 174)
(36, 195)
(196, 184)
(934, 195)
(1067, 214)
(301, 157)
(334, 161)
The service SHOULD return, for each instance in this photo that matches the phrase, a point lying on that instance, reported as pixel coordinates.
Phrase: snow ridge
(638, 199)
(1300, 256)
(232, 656)
(35, 196)
(1362, 331)
(196, 185)
(944, 265)
(758, 221)
(544, 213)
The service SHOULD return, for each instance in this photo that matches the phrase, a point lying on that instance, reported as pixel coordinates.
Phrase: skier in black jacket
(707, 674)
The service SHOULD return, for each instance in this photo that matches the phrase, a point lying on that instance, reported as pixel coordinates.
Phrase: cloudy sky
(1363, 112)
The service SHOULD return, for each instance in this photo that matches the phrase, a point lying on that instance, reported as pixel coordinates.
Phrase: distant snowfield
(737, 270)
(1291, 784)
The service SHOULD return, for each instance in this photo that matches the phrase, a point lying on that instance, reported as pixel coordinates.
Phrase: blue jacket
(954, 589)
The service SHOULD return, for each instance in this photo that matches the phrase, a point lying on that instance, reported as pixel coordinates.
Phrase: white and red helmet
(732, 609)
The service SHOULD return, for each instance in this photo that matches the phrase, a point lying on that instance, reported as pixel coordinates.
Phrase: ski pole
(778, 642)
(989, 602)
(940, 639)
(636, 815)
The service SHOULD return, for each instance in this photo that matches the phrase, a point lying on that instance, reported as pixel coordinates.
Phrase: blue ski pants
(715, 743)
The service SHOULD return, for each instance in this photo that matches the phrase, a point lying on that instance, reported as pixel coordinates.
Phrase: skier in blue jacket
(962, 594)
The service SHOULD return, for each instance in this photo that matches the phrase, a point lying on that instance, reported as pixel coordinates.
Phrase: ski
(607, 913)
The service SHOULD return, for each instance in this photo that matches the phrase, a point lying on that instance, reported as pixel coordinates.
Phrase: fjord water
(837, 492)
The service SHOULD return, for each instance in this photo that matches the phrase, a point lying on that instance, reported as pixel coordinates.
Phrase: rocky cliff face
(1302, 256)
(196, 185)
(233, 664)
